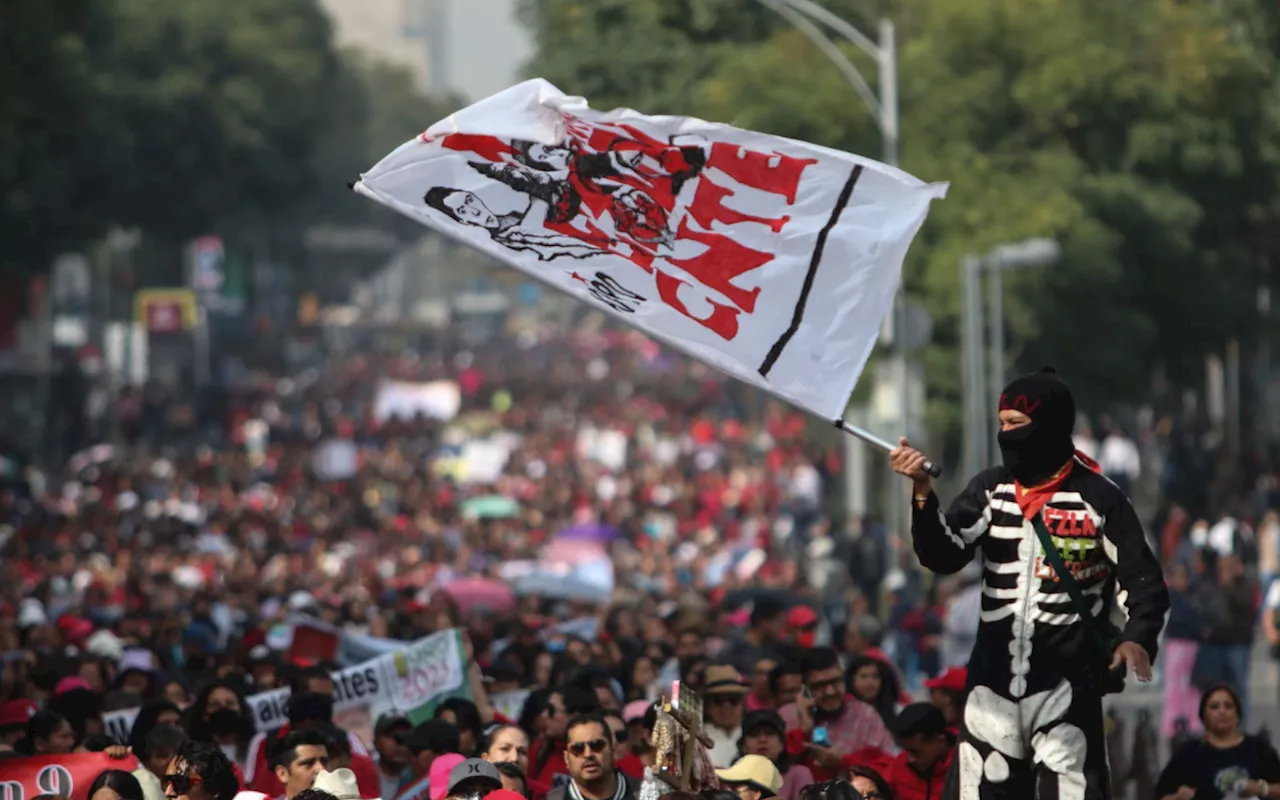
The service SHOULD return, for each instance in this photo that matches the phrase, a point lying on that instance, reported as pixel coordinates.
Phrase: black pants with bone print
(1048, 746)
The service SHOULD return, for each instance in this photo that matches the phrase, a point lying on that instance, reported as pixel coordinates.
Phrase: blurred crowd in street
(155, 569)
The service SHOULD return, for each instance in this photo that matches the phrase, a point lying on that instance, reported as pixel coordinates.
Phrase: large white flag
(773, 260)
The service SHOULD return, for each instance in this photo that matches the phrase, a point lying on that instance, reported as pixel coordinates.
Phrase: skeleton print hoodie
(1030, 636)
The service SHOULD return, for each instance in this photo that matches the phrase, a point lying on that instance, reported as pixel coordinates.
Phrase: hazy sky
(488, 48)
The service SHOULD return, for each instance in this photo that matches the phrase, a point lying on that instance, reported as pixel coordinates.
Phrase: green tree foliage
(169, 116)
(373, 109)
(44, 104)
(216, 106)
(1143, 135)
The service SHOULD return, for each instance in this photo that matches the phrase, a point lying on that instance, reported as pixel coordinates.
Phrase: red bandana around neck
(1032, 499)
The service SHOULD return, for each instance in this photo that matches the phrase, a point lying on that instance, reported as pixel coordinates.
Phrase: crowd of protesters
(153, 573)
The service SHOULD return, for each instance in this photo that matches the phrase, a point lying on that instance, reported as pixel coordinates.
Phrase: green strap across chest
(1067, 580)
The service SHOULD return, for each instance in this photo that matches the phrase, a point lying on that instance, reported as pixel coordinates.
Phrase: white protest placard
(483, 461)
(770, 259)
(606, 447)
(120, 723)
(425, 670)
(405, 680)
(335, 460)
(362, 685)
(438, 400)
(510, 704)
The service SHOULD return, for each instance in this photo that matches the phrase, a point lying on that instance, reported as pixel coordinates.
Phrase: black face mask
(1033, 455)
(224, 721)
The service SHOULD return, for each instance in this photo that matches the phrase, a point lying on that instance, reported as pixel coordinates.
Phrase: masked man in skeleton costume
(1033, 723)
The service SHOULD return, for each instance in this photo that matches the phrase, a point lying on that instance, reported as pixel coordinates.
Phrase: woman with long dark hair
(464, 716)
(220, 716)
(531, 711)
(638, 676)
(49, 734)
(870, 784)
(153, 714)
(115, 784)
(875, 683)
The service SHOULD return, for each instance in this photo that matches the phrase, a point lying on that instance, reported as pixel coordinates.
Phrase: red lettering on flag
(723, 320)
(490, 148)
(769, 172)
(724, 260)
(708, 207)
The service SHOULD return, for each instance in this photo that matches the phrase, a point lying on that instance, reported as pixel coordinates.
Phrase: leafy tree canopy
(1143, 135)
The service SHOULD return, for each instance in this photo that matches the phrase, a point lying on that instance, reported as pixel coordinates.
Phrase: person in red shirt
(311, 680)
(827, 729)
(640, 717)
(338, 743)
(920, 770)
(296, 760)
(623, 759)
(308, 712)
(547, 766)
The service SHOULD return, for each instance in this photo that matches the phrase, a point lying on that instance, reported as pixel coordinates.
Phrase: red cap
(70, 684)
(801, 617)
(75, 629)
(17, 712)
(953, 680)
(503, 794)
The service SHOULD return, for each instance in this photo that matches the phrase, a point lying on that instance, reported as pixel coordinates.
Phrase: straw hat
(722, 679)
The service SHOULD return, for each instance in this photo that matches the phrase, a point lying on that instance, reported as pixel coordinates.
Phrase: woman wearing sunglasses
(199, 771)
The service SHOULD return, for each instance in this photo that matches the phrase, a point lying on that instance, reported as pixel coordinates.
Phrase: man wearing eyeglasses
(297, 759)
(837, 726)
(589, 754)
(199, 771)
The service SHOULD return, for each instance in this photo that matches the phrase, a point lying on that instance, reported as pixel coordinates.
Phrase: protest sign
(67, 775)
(119, 723)
(355, 648)
(410, 680)
(424, 672)
(406, 400)
(510, 704)
(335, 460)
(770, 259)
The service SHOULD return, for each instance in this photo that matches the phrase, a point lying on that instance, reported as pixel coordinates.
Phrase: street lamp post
(803, 14)
(983, 382)
(806, 16)
(975, 421)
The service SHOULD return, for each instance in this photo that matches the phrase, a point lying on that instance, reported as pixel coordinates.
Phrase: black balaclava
(1035, 452)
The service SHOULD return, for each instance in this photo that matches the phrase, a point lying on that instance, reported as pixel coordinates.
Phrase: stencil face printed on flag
(770, 259)
(607, 189)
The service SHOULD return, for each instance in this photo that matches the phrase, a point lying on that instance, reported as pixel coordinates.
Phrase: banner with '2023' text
(773, 260)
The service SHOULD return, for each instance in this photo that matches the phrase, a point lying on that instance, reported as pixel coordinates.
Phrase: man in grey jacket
(589, 754)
